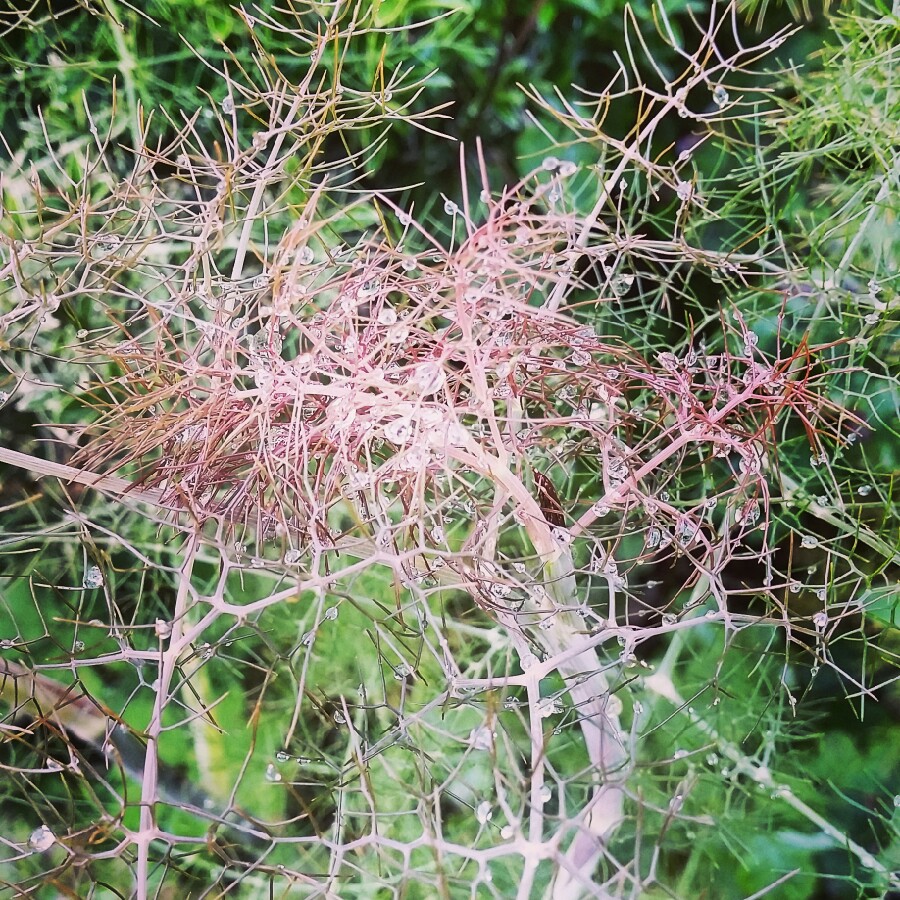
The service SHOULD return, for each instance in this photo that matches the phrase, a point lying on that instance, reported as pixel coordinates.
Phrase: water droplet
(546, 707)
(387, 315)
(545, 794)
(668, 619)
(864, 490)
(272, 774)
(669, 361)
(331, 613)
(720, 96)
(228, 104)
(282, 756)
(481, 738)
(93, 578)
(78, 646)
(398, 334)
(369, 288)
(292, 556)
(398, 431)
(450, 208)
(581, 357)
(499, 590)
(403, 671)
(683, 190)
(820, 620)
(809, 541)
(339, 718)
(795, 587)
(309, 638)
(550, 163)
(106, 246)
(483, 812)
(41, 839)
(507, 831)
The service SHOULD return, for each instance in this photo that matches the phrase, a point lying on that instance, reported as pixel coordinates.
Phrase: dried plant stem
(178, 642)
(107, 484)
(587, 685)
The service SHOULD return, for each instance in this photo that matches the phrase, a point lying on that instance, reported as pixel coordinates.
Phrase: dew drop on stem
(41, 839)
(580, 357)
(93, 578)
(481, 738)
